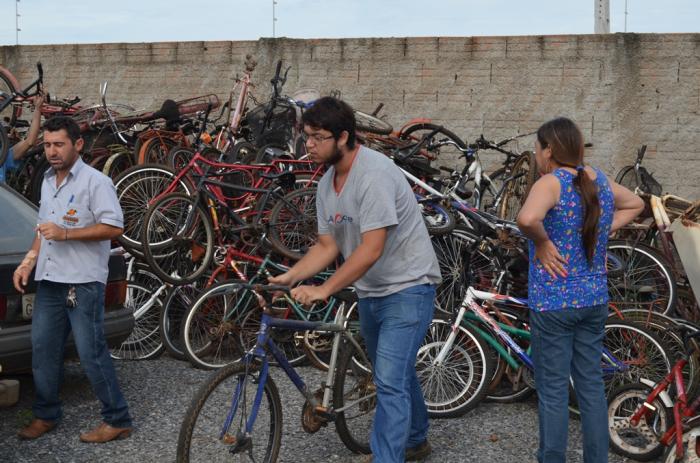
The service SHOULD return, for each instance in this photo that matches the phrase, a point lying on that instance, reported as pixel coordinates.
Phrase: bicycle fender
(663, 395)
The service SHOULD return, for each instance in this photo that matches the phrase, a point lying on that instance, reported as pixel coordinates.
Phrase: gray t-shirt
(377, 195)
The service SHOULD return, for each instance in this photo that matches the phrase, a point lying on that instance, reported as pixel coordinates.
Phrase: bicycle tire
(211, 330)
(417, 132)
(9, 85)
(208, 410)
(177, 302)
(627, 178)
(645, 281)
(437, 218)
(515, 193)
(293, 223)
(144, 341)
(367, 123)
(640, 442)
(354, 383)
(4, 144)
(36, 179)
(178, 239)
(116, 164)
(461, 382)
(136, 187)
(179, 157)
(156, 150)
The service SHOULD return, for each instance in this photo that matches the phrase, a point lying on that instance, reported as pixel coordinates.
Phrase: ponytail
(591, 211)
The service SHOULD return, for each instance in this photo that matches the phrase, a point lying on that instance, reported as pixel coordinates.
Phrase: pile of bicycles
(218, 196)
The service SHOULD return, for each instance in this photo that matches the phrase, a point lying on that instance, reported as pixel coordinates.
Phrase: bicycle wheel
(179, 157)
(367, 123)
(353, 386)
(627, 178)
(211, 330)
(136, 187)
(438, 219)
(638, 349)
(156, 151)
(666, 329)
(8, 86)
(116, 164)
(178, 239)
(516, 191)
(318, 344)
(462, 265)
(458, 383)
(175, 307)
(435, 147)
(144, 342)
(691, 445)
(210, 432)
(292, 227)
(640, 442)
(640, 278)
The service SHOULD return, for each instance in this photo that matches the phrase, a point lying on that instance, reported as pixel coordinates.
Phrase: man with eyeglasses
(367, 213)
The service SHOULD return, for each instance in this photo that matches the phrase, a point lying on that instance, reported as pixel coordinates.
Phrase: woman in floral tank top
(568, 216)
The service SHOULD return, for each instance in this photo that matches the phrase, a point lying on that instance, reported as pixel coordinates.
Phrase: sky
(91, 21)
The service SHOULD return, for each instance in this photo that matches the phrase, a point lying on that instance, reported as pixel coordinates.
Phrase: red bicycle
(644, 418)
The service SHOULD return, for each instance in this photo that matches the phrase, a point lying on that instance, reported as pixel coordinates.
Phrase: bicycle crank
(311, 421)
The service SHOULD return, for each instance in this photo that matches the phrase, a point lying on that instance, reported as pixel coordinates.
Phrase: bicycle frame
(681, 409)
(194, 165)
(502, 330)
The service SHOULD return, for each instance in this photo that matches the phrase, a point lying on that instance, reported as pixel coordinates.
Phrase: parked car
(17, 230)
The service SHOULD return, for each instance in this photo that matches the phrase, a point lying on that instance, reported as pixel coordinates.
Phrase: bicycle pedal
(243, 443)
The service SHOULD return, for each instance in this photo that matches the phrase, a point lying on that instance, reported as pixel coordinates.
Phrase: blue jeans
(567, 343)
(52, 322)
(393, 328)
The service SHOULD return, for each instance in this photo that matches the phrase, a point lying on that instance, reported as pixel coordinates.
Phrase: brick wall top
(622, 89)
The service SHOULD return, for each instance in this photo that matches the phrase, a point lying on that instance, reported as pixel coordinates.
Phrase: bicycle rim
(459, 383)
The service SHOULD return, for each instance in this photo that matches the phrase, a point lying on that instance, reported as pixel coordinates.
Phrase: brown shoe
(105, 433)
(36, 428)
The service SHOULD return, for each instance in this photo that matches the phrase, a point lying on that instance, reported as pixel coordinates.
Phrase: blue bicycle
(236, 415)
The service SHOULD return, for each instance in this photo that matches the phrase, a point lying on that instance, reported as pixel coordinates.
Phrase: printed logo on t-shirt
(339, 219)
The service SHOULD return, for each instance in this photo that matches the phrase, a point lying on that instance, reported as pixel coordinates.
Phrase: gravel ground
(159, 391)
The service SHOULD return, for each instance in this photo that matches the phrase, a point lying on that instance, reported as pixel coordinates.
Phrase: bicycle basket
(279, 129)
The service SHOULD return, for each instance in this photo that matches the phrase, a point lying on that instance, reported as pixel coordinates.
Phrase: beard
(335, 157)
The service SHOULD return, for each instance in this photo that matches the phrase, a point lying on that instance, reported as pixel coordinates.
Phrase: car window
(17, 223)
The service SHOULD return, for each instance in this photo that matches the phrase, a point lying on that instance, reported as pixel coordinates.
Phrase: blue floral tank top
(585, 285)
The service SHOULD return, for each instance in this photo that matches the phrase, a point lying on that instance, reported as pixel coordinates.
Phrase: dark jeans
(393, 328)
(52, 322)
(567, 343)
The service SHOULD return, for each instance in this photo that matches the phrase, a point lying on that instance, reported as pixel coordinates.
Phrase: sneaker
(419, 452)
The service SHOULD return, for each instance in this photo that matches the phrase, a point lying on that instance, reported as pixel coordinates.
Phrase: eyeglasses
(316, 138)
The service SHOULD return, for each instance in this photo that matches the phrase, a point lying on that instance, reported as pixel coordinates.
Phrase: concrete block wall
(624, 90)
